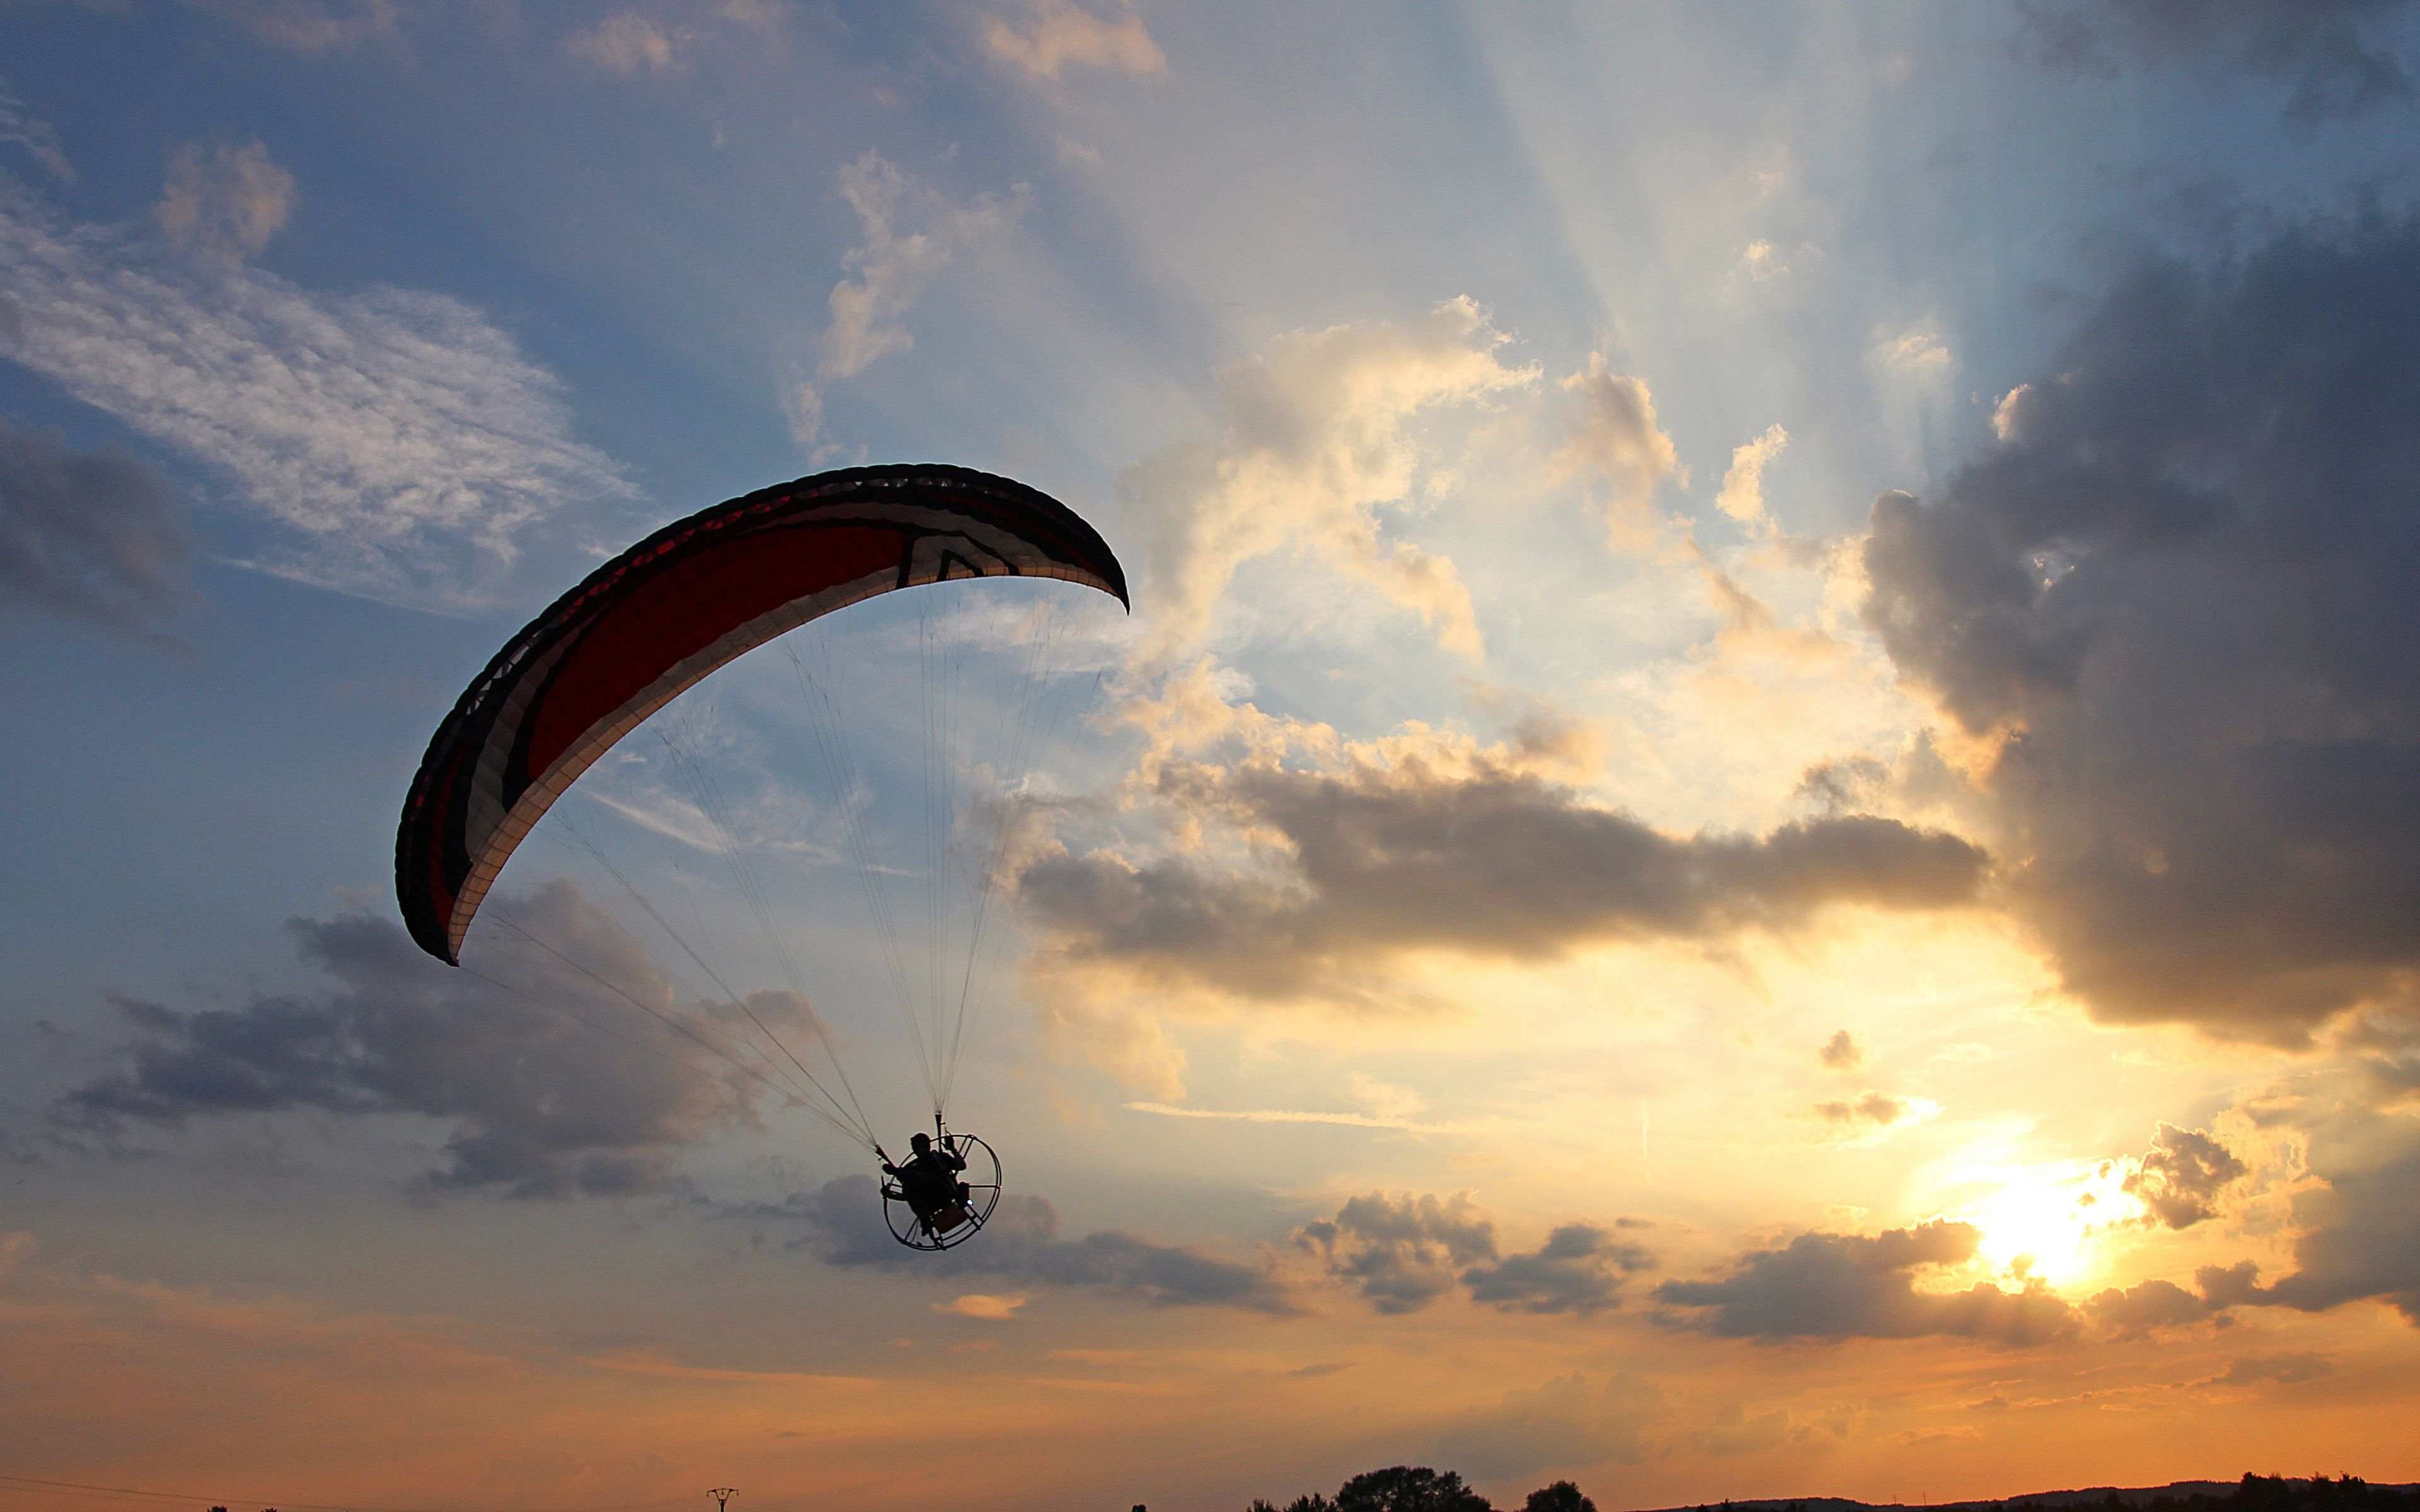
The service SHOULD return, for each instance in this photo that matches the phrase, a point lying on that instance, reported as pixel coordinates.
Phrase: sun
(2044, 1224)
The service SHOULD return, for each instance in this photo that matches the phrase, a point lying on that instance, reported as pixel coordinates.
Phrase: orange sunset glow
(1057, 754)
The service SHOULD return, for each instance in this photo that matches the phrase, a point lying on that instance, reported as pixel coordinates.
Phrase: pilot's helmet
(922, 1142)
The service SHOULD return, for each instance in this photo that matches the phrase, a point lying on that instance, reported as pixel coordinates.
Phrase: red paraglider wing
(660, 616)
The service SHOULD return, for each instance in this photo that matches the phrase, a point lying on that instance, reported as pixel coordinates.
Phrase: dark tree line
(1418, 1489)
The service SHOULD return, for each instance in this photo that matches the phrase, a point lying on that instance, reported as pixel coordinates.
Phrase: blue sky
(1532, 747)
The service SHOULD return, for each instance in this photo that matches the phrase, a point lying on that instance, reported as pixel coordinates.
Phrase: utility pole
(722, 1495)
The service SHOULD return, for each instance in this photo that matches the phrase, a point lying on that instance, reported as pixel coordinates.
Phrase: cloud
(2321, 48)
(2154, 1304)
(87, 536)
(16, 1247)
(22, 130)
(1297, 876)
(1840, 1053)
(1917, 352)
(626, 43)
(2361, 1232)
(401, 437)
(2291, 1370)
(908, 233)
(1060, 33)
(538, 1105)
(307, 25)
(1616, 437)
(2175, 595)
(225, 202)
(843, 1220)
(1871, 1107)
(1578, 1270)
(1742, 493)
(1317, 438)
(1848, 1286)
(1399, 1253)
(984, 1306)
(2179, 1181)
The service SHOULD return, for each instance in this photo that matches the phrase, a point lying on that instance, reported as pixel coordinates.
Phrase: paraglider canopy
(660, 617)
(654, 622)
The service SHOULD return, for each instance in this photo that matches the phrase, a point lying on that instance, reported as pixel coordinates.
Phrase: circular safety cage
(947, 1225)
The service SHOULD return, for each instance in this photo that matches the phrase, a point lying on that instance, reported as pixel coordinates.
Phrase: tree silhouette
(1409, 1489)
(1563, 1496)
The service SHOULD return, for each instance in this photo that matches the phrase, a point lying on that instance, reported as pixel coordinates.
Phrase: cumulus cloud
(2180, 1181)
(1318, 437)
(2330, 52)
(1309, 861)
(625, 43)
(2177, 594)
(1840, 1053)
(1060, 33)
(401, 437)
(1399, 1253)
(551, 1086)
(2155, 1304)
(908, 233)
(842, 1220)
(2360, 1233)
(1579, 1269)
(87, 536)
(1616, 438)
(1875, 1108)
(1848, 1286)
(224, 202)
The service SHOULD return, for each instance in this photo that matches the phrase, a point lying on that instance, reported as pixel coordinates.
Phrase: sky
(1753, 835)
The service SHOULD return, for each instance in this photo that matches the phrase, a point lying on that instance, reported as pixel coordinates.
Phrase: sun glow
(2044, 1224)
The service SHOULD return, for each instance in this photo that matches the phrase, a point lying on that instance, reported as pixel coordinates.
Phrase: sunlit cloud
(1060, 33)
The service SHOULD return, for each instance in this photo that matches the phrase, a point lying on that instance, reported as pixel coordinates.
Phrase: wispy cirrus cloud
(401, 438)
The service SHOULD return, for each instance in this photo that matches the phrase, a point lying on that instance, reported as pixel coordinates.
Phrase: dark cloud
(1847, 1285)
(555, 1088)
(87, 536)
(2183, 579)
(2339, 57)
(2180, 1179)
(1401, 1253)
(1840, 1053)
(2361, 1232)
(843, 1221)
(2155, 1304)
(1371, 860)
(1578, 1270)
